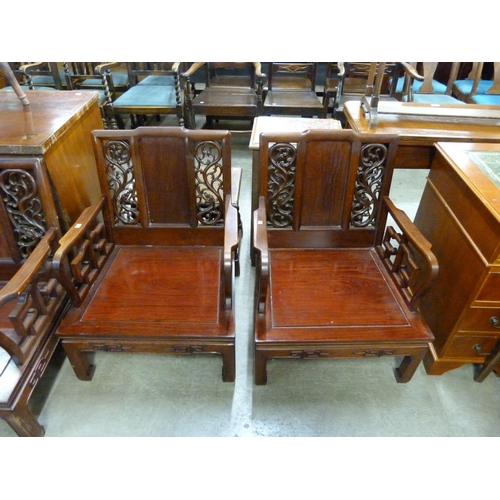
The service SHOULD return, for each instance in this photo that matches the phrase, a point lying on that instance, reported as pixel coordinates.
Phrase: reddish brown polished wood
(157, 275)
(331, 281)
(460, 215)
(419, 132)
(54, 133)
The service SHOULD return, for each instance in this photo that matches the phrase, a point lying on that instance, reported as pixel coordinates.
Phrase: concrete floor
(169, 396)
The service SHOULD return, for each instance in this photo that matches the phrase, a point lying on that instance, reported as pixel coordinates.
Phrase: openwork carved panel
(209, 183)
(281, 184)
(23, 207)
(121, 182)
(371, 169)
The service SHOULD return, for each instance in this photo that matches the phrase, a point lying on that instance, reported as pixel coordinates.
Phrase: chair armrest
(236, 174)
(86, 245)
(407, 256)
(107, 66)
(35, 312)
(231, 243)
(261, 251)
(192, 69)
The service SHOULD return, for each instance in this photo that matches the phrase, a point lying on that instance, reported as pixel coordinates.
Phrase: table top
(425, 124)
(479, 165)
(32, 130)
(288, 124)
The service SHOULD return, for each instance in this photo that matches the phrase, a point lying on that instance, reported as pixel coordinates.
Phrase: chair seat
(228, 101)
(293, 101)
(489, 99)
(147, 95)
(346, 291)
(438, 87)
(162, 80)
(465, 86)
(434, 99)
(182, 287)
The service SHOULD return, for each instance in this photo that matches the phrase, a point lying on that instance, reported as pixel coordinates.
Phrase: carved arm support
(231, 244)
(83, 252)
(37, 295)
(261, 250)
(407, 256)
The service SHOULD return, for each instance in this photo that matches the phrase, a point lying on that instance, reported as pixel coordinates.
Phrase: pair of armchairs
(150, 266)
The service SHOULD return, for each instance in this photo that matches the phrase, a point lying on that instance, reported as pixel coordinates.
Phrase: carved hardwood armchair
(291, 90)
(31, 304)
(232, 90)
(332, 280)
(156, 274)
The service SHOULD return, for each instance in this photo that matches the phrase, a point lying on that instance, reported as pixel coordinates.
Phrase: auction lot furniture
(156, 273)
(460, 215)
(47, 167)
(331, 279)
(421, 125)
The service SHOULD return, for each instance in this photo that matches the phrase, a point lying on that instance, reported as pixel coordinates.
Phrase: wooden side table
(53, 140)
(459, 214)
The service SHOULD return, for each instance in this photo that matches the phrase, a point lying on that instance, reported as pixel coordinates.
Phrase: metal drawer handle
(477, 348)
(495, 322)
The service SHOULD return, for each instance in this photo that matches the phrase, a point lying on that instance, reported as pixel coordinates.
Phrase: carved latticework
(399, 259)
(24, 208)
(209, 183)
(281, 184)
(366, 201)
(121, 182)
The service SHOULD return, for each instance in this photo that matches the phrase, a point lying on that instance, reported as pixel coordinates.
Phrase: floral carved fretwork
(209, 182)
(121, 182)
(365, 205)
(281, 184)
(23, 207)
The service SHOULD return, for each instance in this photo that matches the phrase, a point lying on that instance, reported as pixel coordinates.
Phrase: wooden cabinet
(47, 167)
(460, 215)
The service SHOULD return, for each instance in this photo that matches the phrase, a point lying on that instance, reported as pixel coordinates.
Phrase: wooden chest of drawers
(460, 215)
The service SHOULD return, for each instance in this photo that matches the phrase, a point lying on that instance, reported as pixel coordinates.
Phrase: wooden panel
(343, 288)
(324, 200)
(490, 289)
(468, 346)
(477, 319)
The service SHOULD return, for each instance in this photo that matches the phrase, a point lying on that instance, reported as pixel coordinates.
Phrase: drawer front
(467, 346)
(491, 288)
(482, 319)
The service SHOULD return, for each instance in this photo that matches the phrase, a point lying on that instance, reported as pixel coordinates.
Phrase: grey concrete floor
(167, 396)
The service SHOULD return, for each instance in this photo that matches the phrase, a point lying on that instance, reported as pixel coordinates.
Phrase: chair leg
(404, 372)
(228, 364)
(23, 422)
(80, 362)
(260, 368)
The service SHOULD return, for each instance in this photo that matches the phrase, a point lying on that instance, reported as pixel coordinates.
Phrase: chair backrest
(139, 71)
(354, 77)
(230, 74)
(324, 188)
(476, 74)
(427, 79)
(293, 76)
(164, 185)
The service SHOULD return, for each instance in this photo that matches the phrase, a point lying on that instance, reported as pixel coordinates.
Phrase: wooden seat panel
(343, 287)
(182, 286)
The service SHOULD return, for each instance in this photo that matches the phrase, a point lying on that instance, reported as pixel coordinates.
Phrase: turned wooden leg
(228, 364)
(79, 360)
(404, 372)
(24, 423)
(260, 368)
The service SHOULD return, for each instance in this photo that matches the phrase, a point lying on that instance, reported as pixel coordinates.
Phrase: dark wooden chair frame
(134, 223)
(348, 193)
(31, 307)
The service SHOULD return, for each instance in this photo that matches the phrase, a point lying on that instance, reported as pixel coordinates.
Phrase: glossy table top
(424, 124)
(33, 129)
(288, 124)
